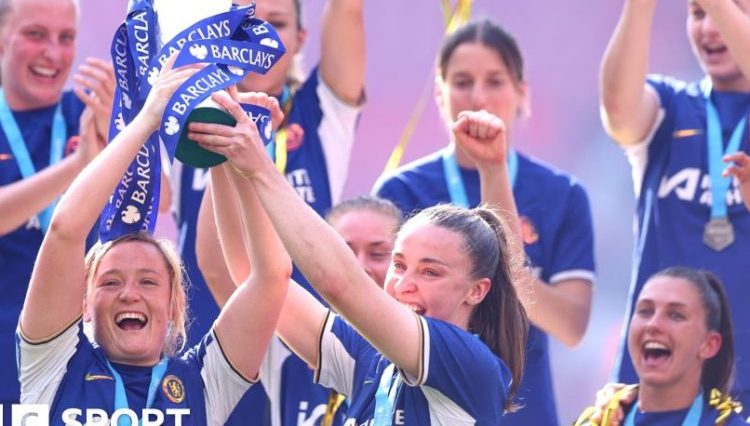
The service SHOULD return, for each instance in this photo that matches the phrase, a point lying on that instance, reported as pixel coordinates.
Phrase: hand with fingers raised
(95, 86)
(482, 136)
(241, 143)
(740, 169)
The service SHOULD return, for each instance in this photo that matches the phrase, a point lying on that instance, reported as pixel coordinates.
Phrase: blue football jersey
(18, 249)
(676, 417)
(558, 238)
(670, 172)
(462, 381)
(70, 372)
(320, 136)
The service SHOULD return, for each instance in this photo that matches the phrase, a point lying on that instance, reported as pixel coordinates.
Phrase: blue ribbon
(233, 42)
(692, 418)
(455, 183)
(714, 139)
(121, 397)
(385, 397)
(21, 152)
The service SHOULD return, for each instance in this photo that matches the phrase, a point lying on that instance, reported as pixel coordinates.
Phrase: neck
(16, 103)
(739, 84)
(667, 398)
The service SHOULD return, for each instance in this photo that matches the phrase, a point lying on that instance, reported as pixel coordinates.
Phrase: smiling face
(283, 15)
(37, 44)
(370, 235)
(129, 302)
(430, 274)
(711, 51)
(668, 338)
(476, 78)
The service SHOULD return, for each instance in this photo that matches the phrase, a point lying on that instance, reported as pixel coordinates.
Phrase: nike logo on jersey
(6, 157)
(686, 133)
(91, 377)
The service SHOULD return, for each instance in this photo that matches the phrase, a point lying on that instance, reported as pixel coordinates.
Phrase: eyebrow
(426, 260)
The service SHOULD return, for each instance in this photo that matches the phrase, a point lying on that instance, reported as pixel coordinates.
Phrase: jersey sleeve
(42, 365)
(336, 133)
(459, 373)
(573, 250)
(223, 384)
(340, 348)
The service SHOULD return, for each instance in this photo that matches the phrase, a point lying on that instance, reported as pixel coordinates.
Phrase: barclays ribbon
(232, 43)
(455, 183)
(21, 152)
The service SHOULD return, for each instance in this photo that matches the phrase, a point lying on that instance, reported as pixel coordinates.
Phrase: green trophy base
(188, 151)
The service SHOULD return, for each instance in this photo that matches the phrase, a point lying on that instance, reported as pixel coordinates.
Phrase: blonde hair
(177, 330)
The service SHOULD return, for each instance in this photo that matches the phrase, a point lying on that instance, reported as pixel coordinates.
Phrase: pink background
(562, 44)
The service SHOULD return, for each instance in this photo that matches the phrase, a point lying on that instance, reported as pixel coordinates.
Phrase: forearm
(342, 63)
(561, 309)
(267, 255)
(624, 67)
(497, 194)
(734, 26)
(27, 197)
(225, 218)
(209, 256)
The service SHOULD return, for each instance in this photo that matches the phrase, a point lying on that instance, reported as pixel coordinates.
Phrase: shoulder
(445, 338)
(550, 179)
(71, 104)
(669, 88)
(418, 171)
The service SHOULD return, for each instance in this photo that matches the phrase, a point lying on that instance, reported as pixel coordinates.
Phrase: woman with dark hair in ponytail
(681, 341)
(444, 343)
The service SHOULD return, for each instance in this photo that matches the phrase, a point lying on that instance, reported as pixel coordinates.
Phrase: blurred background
(562, 43)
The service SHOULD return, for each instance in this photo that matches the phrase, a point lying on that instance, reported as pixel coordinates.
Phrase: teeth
(655, 346)
(415, 308)
(130, 315)
(47, 72)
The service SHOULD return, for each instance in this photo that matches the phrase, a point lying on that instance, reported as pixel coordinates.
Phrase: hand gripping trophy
(228, 40)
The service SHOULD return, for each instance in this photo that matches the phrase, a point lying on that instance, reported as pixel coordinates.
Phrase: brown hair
(500, 319)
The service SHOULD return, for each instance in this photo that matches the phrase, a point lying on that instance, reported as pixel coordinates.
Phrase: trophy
(229, 41)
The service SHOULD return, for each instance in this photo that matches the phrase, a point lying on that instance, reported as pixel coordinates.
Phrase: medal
(718, 233)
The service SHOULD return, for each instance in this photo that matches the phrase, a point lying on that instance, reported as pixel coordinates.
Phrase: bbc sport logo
(38, 415)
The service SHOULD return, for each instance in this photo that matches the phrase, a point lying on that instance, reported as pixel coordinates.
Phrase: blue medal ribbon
(385, 397)
(714, 138)
(121, 397)
(21, 152)
(692, 418)
(455, 183)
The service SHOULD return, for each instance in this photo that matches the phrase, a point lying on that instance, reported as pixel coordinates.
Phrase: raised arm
(328, 263)
(342, 55)
(628, 105)
(562, 309)
(57, 286)
(250, 315)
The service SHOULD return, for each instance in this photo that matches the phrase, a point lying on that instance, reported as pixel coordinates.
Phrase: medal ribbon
(719, 184)
(121, 397)
(455, 183)
(692, 418)
(385, 397)
(277, 148)
(21, 152)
